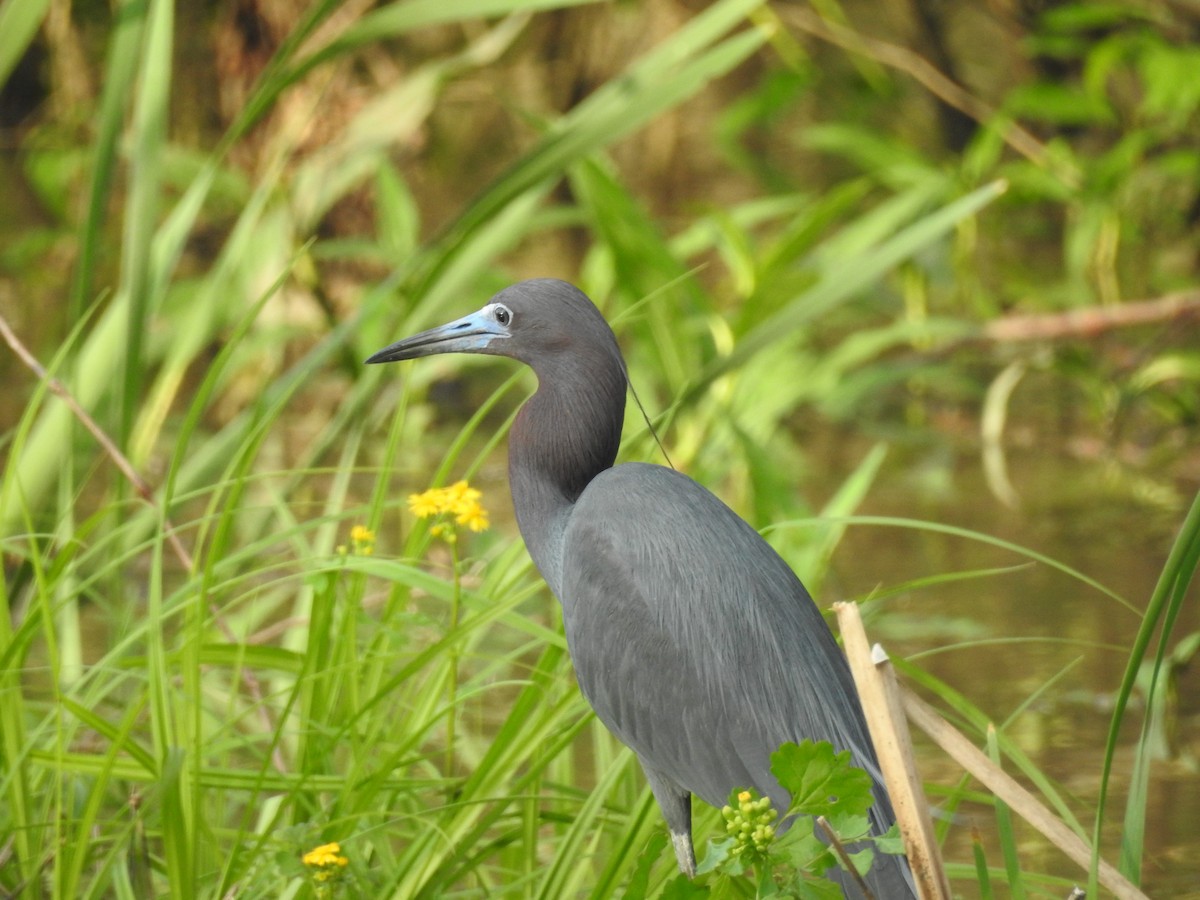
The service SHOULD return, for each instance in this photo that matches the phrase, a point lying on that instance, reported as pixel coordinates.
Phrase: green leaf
(821, 782)
(682, 888)
(639, 881)
(818, 890)
(19, 22)
(891, 843)
(801, 849)
(398, 220)
(1164, 606)
(863, 859)
(855, 265)
(850, 827)
(717, 855)
(1059, 104)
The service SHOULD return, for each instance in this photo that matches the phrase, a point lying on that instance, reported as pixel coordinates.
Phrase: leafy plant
(759, 858)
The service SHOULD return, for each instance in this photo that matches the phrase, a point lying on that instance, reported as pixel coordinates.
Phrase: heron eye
(503, 314)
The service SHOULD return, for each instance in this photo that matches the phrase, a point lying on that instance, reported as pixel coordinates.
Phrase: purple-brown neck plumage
(563, 437)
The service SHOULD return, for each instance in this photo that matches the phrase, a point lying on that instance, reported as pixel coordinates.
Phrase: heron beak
(470, 334)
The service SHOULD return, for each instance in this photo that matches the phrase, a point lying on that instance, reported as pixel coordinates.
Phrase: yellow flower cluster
(749, 824)
(325, 861)
(363, 539)
(459, 500)
(362, 542)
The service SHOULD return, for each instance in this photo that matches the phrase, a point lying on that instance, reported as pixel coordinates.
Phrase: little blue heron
(692, 639)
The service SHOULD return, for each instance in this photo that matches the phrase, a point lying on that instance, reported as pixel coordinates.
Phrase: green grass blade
(843, 280)
(1163, 608)
(980, 723)
(968, 534)
(120, 75)
(15, 778)
(99, 782)
(643, 843)
(1004, 828)
(19, 21)
(178, 825)
(149, 136)
(663, 78)
(395, 19)
(982, 877)
(563, 877)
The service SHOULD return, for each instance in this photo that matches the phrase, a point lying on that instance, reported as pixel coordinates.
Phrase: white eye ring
(501, 313)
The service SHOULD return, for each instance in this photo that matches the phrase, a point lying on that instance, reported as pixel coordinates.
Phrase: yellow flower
(325, 864)
(425, 504)
(475, 518)
(362, 541)
(325, 856)
(460, 495)
(459, 500)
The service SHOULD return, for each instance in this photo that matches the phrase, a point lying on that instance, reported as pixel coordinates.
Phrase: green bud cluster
(749, 824)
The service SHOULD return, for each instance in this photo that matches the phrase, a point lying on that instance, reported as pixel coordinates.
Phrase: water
(1036, 635)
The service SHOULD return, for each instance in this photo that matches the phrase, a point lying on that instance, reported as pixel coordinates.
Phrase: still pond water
(1036, 632)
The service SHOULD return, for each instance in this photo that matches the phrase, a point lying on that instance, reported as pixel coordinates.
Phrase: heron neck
(565, 435)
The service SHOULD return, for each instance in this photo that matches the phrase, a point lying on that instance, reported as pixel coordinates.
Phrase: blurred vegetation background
(924, 260)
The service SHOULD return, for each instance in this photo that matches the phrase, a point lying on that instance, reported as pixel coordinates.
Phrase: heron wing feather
(693, 640)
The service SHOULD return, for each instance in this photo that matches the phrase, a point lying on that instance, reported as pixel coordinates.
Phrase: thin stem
(122, 463)
(452, 654)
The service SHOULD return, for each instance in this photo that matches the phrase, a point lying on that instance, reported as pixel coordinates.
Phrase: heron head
(532, 321)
